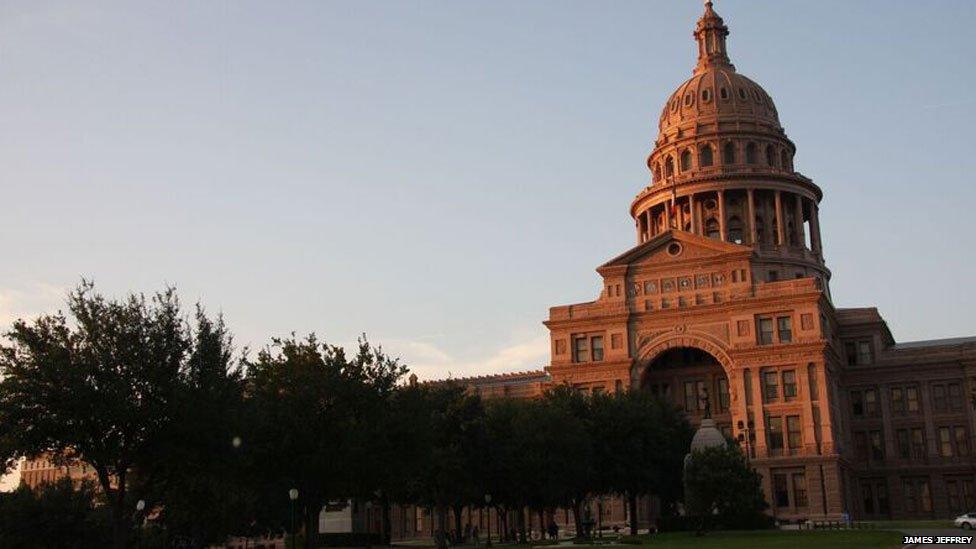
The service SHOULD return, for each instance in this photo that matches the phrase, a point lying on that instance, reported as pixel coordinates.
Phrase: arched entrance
(684, 375)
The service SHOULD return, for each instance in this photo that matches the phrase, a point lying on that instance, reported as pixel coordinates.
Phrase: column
(751, 213)
(649, 223)
(780, 229)
(801, 237)
(721, 215)
(641, 233)
(667, 213)
(815, 227)
(694, 214)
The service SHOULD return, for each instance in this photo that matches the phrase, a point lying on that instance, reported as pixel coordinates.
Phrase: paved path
(936, 532)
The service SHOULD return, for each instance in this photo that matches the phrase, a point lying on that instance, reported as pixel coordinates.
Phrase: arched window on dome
(791, 233)
(728, 153)
(657, 171)
(735, 230)
(686, 160)
(669, 167)
(705, 156)
(760, 230)
(751, 153)
(784, 159)
(770, 155)
(711, 228)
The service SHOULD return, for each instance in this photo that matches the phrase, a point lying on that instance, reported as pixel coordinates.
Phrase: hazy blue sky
(437, 174)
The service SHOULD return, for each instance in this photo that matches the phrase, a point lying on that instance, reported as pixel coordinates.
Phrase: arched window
(686, 160)
(669, 167)
(657, 171)
(760, 230)
(705, 156)
(791, 233)
(728, 153)
(770, 155)
(711, 228)
(784, 159)
(751, 153)
(735, 230)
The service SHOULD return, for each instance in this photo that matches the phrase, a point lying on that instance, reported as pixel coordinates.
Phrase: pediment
(674, 246)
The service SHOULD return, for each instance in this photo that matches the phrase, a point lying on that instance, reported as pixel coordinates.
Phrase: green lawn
(786, 539)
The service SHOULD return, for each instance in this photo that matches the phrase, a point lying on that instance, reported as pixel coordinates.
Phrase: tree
(309, 410)
(720, 486)
(99, 390)
(55, 515)
(640, 442)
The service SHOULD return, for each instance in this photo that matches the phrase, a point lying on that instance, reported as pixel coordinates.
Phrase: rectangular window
(867, 498)
(581, 349)
(789, 384)
(861, 445)
(781, 494)
(793, 435)
(945, 442)
(911, 499)
(771, 389)
(864, 355)
(857, 403)
(870, 402)
(800, 490)
(925, 495)
(596, 344)
(952, 490)
(850, 349)
(918, 443)
(765, 331)
(877, 446)
(776, 434)
(723, 395)
(882, 491)
(691, 397)
(911, 399)
(904, 443)
(897, 400)
(962, 441)
(785, 326)
(939, 398)
(955, 396)
(967, 494)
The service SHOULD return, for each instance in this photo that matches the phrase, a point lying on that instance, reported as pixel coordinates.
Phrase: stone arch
(649, 349)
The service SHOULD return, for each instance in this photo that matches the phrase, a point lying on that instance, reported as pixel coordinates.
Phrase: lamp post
(140, 506)
(488, 505)
(293, 495)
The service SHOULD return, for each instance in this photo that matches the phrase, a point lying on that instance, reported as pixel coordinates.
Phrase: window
(962, 441)
(712, 228)
(800, 490)
(870, 402)
(776, 434)
(781, 493)
(945, 442)
(705, 156)
(955, 396)
(771, 389)
(864, 355)
(904, 443)
(581, 349)
(723, 395)
(877, 446)
(770, 155)
(784, 160)
(728, 153)
(596, 344)
(723, 93)
(735, 230)
(691, 397)
(789, 385)
(911, 399)
(897, 400)
(918, 443)
(857, 403)
(952, 490)
(785, 326)
(867, 497)
(751, 153)
(657, 171)
(967, 493)
(793, 435)
(939, 402)
(669, 167)
(765, 331)
(686, 160)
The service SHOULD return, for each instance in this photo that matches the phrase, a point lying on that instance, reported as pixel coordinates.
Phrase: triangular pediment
(674, 246)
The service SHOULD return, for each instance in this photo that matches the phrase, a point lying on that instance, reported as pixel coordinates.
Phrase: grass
(785, 539)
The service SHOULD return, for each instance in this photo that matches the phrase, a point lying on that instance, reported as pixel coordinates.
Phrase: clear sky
(437, 174)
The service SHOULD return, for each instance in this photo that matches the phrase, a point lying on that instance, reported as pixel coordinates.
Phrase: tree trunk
(521, 525)
(632, 511)
(578, 518)
(457, 525)
(387, 526)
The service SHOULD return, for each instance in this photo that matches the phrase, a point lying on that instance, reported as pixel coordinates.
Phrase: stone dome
(707, 436)
(719, 92)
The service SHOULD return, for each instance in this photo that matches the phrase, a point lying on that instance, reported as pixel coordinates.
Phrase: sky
(437, 174)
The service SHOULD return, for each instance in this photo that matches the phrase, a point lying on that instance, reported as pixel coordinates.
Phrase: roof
(946, 342)
(511, 378)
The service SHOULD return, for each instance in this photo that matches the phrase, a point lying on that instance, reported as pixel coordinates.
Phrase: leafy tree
(54, 516)
(721, 486)
(99, 390)
(640, 442)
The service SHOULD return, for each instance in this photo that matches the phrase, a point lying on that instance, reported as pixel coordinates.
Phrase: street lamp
(488, 504)
(293, 495)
